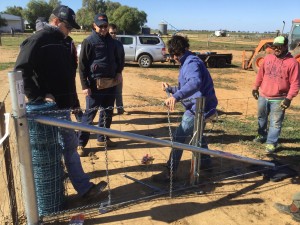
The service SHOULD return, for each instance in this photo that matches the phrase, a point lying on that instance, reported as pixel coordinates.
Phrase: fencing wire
(6, 205)
(150, 120)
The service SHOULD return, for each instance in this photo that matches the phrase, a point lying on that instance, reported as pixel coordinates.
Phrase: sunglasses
(103, 26)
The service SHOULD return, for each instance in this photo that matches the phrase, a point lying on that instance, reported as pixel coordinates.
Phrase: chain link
(106, 159)
(172, 152)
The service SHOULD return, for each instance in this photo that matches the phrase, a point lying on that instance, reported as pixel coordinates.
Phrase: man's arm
(294, 80)
(84, 63)
(25, 62)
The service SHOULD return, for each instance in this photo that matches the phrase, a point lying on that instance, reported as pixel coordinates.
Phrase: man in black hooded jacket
(48, 74)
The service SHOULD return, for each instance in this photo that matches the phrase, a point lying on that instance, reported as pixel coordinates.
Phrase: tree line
(129, 20)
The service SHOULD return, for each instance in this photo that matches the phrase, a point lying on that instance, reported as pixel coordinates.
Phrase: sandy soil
(237, 200)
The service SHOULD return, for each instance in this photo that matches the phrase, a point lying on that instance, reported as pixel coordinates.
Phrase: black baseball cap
(66, 14)
(100, 19)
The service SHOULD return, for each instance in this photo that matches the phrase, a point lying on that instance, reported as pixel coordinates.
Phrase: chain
(106, 158)
(172, 152)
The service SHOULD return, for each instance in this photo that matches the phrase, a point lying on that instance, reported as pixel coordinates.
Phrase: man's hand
(119, 77)
(170, 103)
(255, 94)
(87, 92)
(285, 104)
(165, 86)
(49, 98)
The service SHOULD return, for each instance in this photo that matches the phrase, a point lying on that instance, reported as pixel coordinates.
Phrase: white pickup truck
(144, 49)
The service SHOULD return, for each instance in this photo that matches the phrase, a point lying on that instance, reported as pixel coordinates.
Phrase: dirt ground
(237, 200)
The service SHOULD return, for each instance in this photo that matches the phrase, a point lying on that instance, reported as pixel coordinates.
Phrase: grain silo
(146, 30)
(163, 28)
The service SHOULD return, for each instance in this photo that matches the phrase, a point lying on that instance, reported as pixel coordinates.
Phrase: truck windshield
(294, 37)
(149, 40)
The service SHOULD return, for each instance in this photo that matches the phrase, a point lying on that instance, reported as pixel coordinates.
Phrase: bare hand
(87, 92)
(165, 86)
(49, 98)
(170, 103)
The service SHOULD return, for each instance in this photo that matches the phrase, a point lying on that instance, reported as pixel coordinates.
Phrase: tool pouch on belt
(105, 82)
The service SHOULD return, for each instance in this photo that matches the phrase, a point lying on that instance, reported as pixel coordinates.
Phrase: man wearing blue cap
(277, 83)
(48, 75)
(100, 68)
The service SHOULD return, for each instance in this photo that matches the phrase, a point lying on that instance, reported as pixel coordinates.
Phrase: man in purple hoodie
(194, 81)
(277, 83)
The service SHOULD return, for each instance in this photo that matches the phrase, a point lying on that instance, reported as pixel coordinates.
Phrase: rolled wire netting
(46, 159)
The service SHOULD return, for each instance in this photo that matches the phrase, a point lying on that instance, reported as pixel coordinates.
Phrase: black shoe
(95, 190)
(206, 163)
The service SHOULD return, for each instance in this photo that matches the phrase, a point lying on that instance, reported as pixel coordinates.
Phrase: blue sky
(235, 15)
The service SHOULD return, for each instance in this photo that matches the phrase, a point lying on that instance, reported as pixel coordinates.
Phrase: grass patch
(243, 131)
(4, 66)
(159, 78)
(225, 83)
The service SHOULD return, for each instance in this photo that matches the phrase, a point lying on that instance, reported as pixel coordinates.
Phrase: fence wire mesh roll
(46, 159)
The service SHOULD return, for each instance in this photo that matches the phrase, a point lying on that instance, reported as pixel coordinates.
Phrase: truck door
(129, 44)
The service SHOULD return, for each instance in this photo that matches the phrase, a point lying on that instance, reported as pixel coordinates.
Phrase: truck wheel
(221, 63)
(212, 63)
(145, 61)
(258, 60)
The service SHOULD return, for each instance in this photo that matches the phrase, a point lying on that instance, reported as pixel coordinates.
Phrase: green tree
(85, 15)
(95, 6)
(35, 9)
(85, 18)
(3, 22)
(129, 20)
(111, 8)
(15, 10)
(54, 3)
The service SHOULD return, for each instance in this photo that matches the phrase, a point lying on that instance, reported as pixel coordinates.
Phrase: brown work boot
(81, 151)
(95, 191)
(109, 143)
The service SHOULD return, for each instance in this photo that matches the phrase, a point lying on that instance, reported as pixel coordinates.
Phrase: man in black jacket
(100, 70)
(49, 75)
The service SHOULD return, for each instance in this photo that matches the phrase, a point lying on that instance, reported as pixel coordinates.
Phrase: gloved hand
(285, 103)
(255, 94)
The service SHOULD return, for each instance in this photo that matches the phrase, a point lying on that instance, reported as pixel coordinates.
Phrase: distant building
(14, 23)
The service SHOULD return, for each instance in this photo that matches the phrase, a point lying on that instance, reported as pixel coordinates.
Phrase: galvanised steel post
(197, 140)
(136, 137)
(16, 85)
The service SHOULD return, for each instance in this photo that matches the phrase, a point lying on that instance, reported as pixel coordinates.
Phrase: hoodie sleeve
(294, 80)
(192, 81)
(25, 63)
(85, 57)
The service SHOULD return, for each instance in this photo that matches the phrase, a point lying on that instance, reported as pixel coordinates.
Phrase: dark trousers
(100, 98)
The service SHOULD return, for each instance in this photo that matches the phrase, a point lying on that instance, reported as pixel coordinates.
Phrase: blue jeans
(99, 98)
(184, 130)
(69, 142)
(119, 98)
(270, 108)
